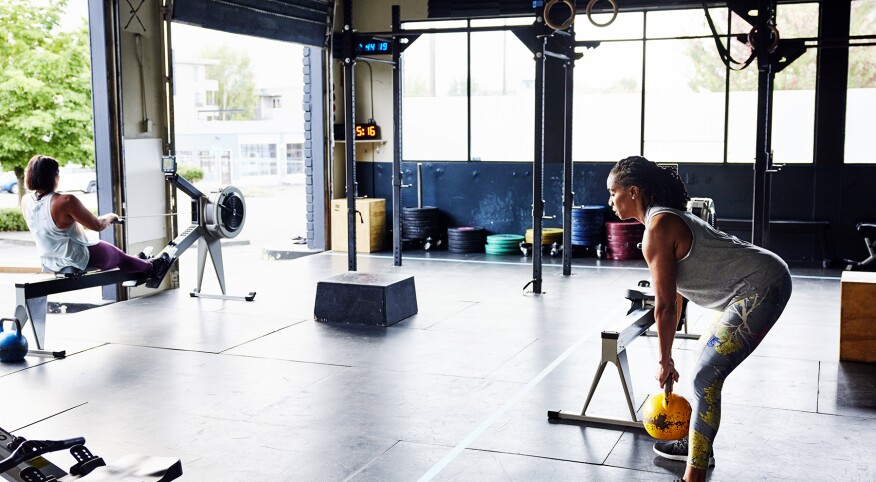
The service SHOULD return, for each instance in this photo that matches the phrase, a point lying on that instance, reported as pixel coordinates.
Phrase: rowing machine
(219, 215)
(22, 461)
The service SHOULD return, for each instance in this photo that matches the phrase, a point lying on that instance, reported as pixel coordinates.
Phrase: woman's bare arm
(659, 248)
(67, 209)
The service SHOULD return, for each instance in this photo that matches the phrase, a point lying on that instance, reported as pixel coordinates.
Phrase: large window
(294, 158)
(435, 98)
(258, 159)
(861, 100)
(607, 108)
(502, 98)
(684, 116)
(688, 116)
(607, 111)
(449, 78)
(655, 85)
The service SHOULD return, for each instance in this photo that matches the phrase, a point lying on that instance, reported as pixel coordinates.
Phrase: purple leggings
(105, 256)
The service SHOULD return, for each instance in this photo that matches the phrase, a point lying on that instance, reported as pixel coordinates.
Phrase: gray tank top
(720, 268)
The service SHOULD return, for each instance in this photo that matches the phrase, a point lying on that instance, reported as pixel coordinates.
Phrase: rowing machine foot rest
(87, 461)
(640, 294)
(365, 299)
(136, 467)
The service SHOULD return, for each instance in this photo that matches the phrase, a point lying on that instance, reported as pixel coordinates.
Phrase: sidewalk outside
(18, 253)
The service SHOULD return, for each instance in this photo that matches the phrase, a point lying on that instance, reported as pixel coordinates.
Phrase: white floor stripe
(477, 432)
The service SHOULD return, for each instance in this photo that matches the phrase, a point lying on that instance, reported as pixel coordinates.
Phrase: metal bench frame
(615, 341)
(31, 300)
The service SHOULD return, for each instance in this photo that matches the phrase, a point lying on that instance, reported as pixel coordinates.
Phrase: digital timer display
(367, 131)
(373, 47)
(362, 132)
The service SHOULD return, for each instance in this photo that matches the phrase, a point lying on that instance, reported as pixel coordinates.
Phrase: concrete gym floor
(259, 391)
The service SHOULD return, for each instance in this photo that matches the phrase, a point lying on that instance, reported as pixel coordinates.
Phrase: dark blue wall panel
(498, 196)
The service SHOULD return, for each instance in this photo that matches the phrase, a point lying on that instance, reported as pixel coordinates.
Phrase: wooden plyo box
(858, 316)
(370, 224)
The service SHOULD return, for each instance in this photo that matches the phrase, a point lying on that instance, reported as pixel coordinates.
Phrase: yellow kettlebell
(666, 415)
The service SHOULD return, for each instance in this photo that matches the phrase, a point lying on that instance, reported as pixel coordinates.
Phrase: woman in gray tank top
(749, 285)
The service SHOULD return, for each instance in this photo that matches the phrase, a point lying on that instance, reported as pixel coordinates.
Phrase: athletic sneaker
(160, 265)
(677, 450)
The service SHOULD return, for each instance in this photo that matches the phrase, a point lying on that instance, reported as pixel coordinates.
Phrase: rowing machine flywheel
(225, 212)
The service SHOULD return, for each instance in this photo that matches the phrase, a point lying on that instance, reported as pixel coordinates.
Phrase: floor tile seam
(373, 368)
(74, 407)
(167, 348)
(289, 360)
(791, 410)
(222, 311)
(787, 358)
(367, 464)
(263, 336)
(559, 459)
(50, 359)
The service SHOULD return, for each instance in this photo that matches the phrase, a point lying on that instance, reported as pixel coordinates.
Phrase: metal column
(397, 136)
(350, 133)
(538, 169)
(568, 195)
(763, 163)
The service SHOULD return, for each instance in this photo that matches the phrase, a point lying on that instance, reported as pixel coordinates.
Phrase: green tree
(236, 97)
(45, 87)
(800, 74)
(862, 60)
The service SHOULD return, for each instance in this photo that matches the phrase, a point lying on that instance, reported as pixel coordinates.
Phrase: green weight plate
(494, 250)
(504, 239)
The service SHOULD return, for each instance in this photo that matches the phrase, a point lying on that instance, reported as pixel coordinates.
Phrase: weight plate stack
(587, 225)
(548, 236)
(421, 223)
(623, 239)
(466, 239)
(503, 244)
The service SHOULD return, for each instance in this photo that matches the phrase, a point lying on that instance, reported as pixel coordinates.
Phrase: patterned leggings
(728, 342)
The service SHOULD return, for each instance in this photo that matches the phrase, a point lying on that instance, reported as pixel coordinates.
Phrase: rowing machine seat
(67, 272)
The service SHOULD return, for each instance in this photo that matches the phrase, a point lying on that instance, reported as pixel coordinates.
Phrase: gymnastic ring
(563, 26)
(590, 5)
(774, 33)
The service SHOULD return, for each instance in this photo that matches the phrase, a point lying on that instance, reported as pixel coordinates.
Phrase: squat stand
(614, 344)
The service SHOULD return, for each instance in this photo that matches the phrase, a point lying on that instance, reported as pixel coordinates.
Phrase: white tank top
(58, 248)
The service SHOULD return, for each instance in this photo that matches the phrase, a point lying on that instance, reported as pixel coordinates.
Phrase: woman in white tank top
(56, 222)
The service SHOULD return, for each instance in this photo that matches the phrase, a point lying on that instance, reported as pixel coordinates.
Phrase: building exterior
(264, 151)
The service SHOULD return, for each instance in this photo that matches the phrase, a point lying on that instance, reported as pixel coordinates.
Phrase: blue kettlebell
(13, 346)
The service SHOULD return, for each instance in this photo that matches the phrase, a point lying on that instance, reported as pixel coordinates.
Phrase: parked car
(8, 182)
(75, 177)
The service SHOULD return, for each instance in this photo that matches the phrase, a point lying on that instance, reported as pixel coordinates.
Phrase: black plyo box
(365, 299)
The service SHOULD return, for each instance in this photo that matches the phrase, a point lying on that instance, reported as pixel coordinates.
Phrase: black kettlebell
(13, 346)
